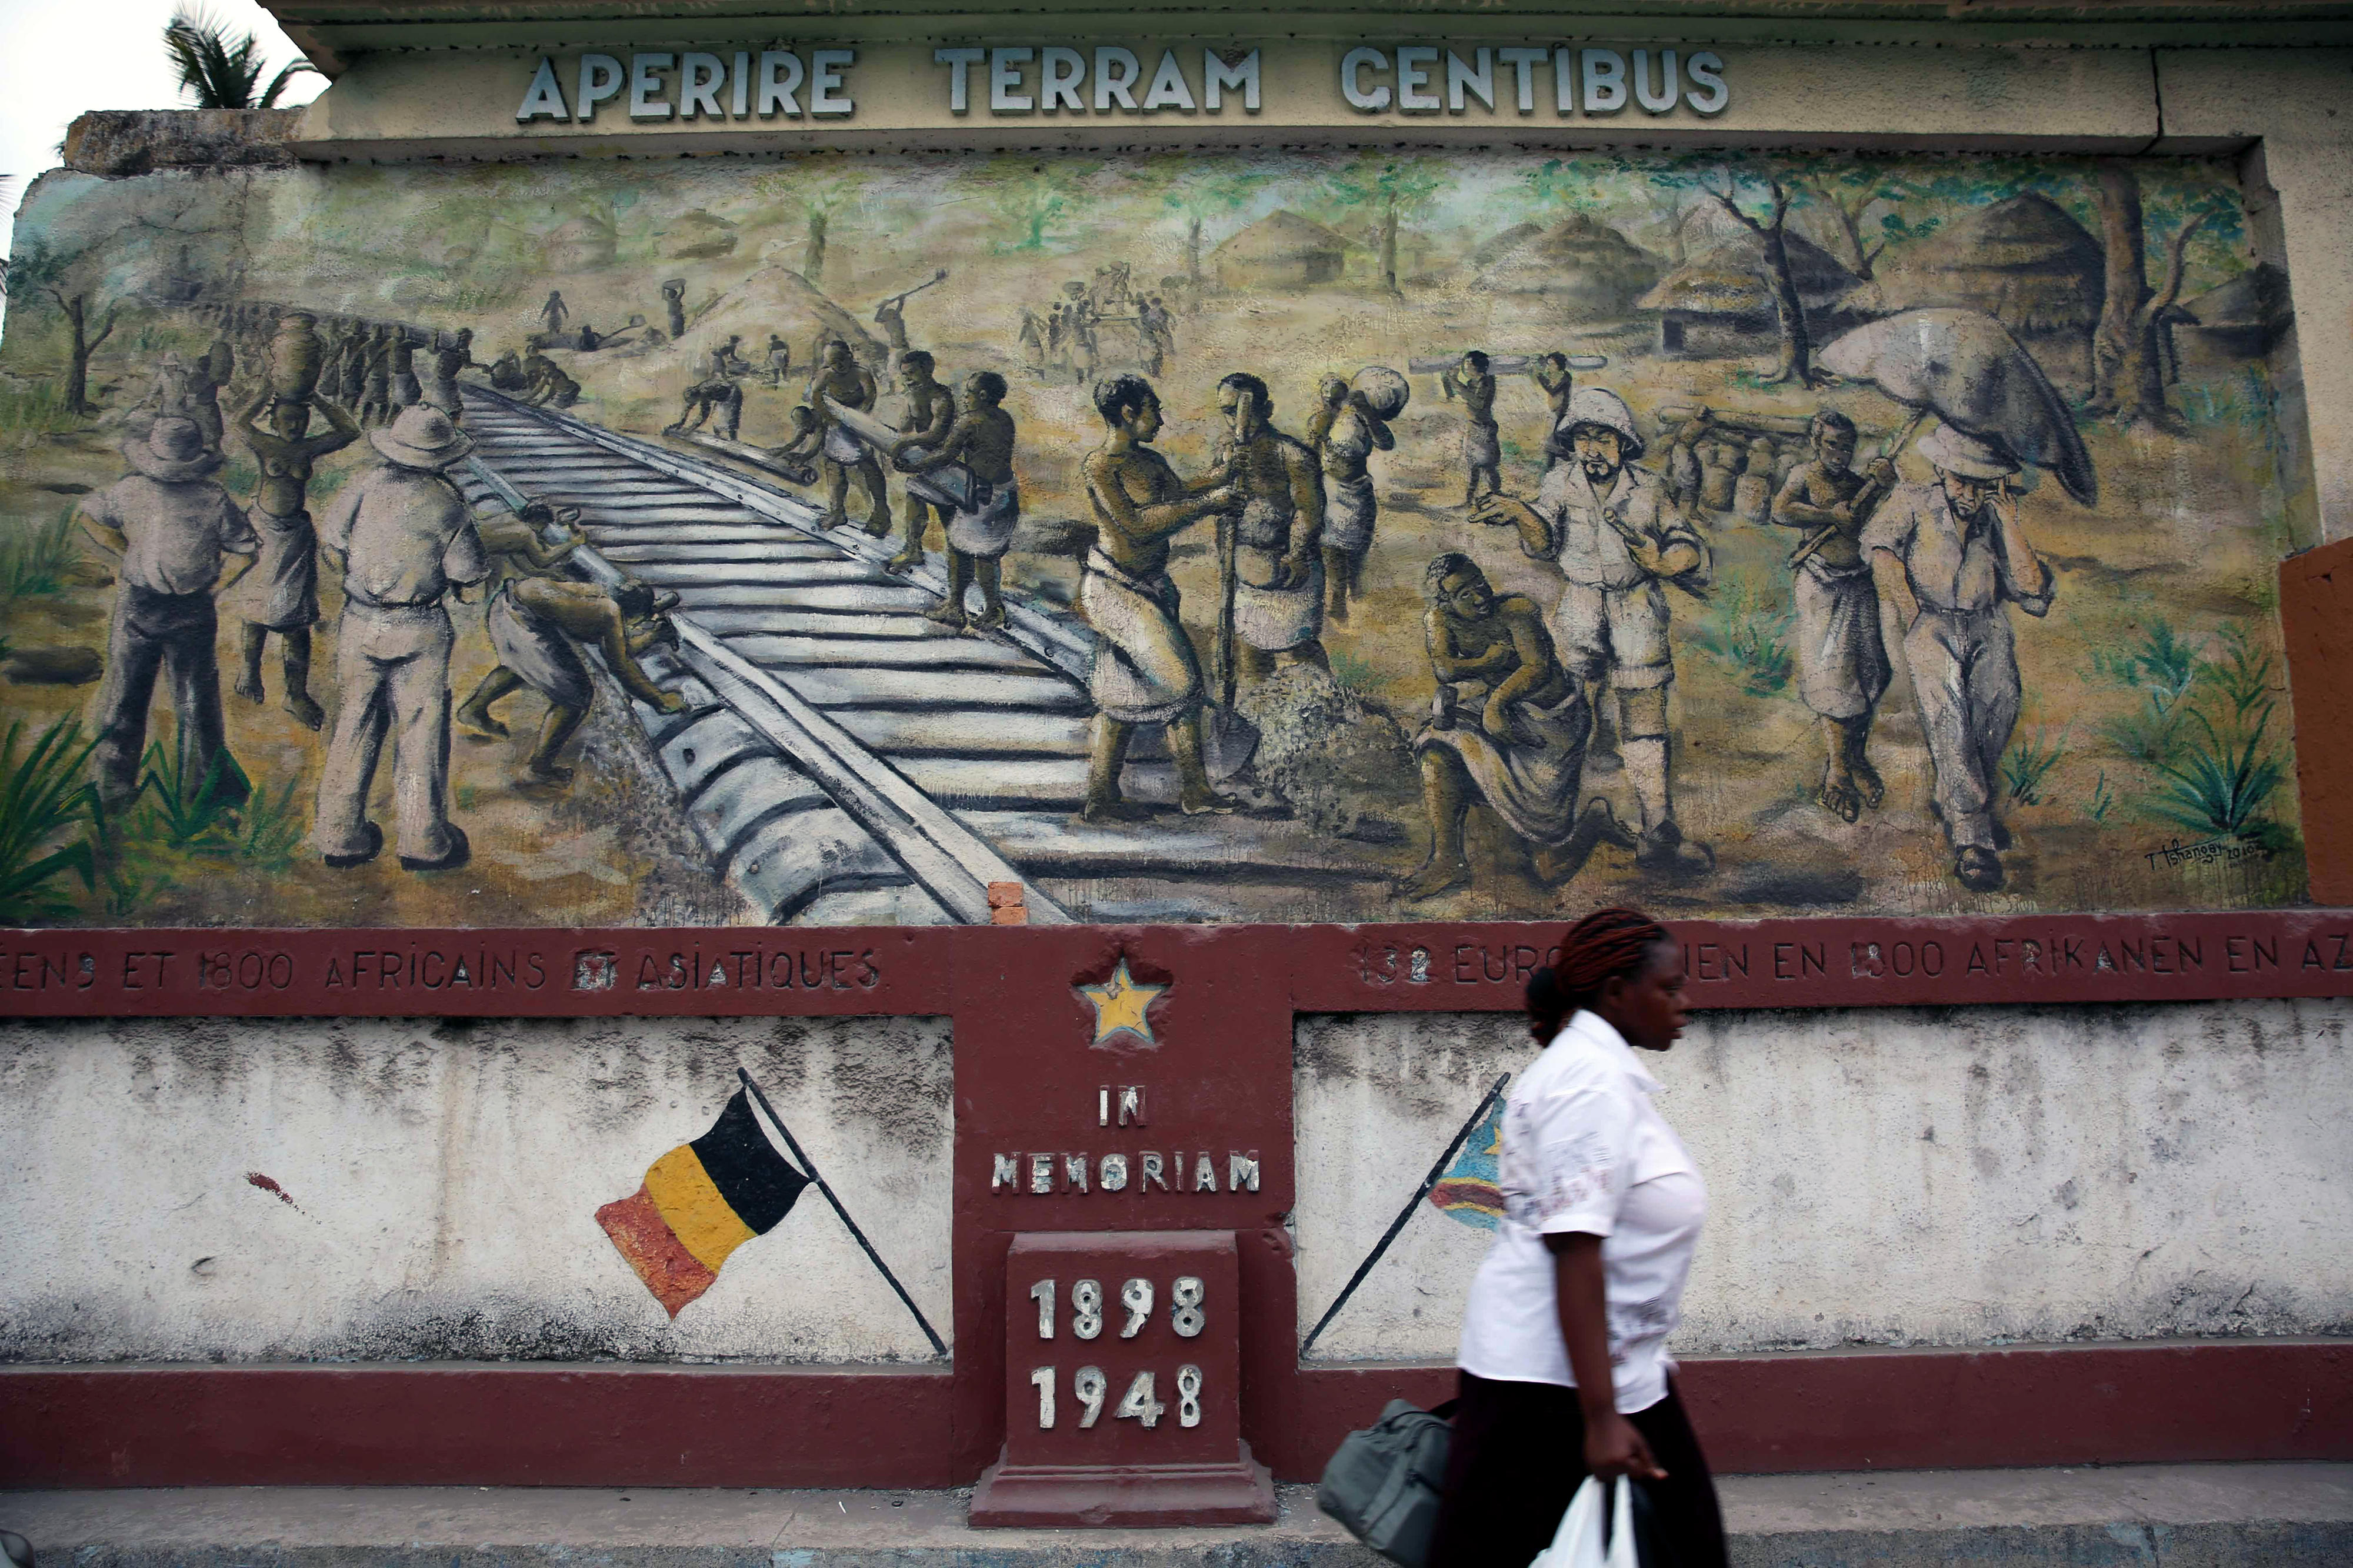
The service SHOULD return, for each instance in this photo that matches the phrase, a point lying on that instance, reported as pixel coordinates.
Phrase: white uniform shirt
(1583, 1149)
(1590, 552)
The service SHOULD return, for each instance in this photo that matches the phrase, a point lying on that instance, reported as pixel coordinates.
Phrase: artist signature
(2231, 849)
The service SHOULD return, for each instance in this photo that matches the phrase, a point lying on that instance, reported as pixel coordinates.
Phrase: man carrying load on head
(1949, 559)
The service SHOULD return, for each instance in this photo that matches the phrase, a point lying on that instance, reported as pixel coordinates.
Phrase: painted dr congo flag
(700, 1202)
(1468, 1191)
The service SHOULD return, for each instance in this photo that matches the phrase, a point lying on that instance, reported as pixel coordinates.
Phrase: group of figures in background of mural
(1213, 537)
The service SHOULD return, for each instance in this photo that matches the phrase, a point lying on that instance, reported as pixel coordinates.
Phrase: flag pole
(1404, 1214)
(819, 1182)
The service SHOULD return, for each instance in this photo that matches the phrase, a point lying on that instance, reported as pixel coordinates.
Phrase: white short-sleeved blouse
(1585, 1149)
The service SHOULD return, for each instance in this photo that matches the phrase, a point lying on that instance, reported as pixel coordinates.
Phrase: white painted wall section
(1962, 1177)
(441, 1181)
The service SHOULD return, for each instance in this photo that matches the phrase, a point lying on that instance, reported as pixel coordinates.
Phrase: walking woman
(1563, 1368)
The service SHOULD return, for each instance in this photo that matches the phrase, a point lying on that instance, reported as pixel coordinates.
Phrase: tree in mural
(2127, 365)
(1670, 195)
(1391, 189)
(1034, 198)
(1847, 193)
(1199, 191)
(818, 202)
(218, 71)
(1772, 232)
(43, 273)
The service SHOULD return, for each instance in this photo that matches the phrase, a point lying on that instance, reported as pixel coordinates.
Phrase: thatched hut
(1492, 249)
(2023, 261)
(1583, 267)
(1280, 250)
(1719, 304)
(582, 245)
(2241, 321)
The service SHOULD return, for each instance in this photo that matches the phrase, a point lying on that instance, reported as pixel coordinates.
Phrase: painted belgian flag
(700, 1202)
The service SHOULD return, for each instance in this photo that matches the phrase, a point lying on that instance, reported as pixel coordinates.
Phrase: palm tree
(218, 72)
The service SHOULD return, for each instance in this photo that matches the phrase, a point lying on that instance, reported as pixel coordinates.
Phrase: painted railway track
(844, 760)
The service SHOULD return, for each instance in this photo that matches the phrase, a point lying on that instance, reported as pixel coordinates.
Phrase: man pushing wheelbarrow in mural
(1948, 554)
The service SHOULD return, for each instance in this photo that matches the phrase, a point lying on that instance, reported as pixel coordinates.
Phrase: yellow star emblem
(1119, 1006)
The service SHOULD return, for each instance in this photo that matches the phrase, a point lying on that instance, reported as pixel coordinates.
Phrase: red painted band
(505, 1424)
(1842, 962)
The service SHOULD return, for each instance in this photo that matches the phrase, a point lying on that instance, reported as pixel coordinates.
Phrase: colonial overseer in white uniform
(403, 536)
(1617, 539)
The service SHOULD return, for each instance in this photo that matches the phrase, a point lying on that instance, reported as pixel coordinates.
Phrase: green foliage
(2029, 761)
(2144, 734)
(34, 560)
(1748, 633)
(190, 810)
(42, 799)
(1034, 199)
(2101, 802)
(1357, 677)
(2221, 782)
(217, 71)
(2242, 677)
(38, 410)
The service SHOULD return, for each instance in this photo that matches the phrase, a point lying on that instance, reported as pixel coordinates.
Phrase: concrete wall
(439, 1187)
(1935, 1177)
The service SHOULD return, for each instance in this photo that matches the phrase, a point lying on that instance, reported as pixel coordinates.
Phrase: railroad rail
(844, 760)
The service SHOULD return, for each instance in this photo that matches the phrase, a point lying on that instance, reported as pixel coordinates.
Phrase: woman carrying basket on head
(1563, 1368)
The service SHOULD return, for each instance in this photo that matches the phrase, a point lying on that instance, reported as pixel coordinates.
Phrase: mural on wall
(1192, 537)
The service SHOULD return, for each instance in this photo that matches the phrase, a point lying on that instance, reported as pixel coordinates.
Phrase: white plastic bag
(1581, 1540)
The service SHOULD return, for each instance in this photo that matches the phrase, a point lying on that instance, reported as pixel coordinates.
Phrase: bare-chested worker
(522, 537)
(1483, 448)
(545, 384)
(1842, 664)
(534, 623)
(719, 395)
(1145, 671)
(376, 387)
(931, 413)
(1331, 396)
(841, 377)
(449, 356)
(407, 391)
(980, 533)
(1358, 428)
(281, 594)
(1278, 570)
(1508, 728)
(779, 359)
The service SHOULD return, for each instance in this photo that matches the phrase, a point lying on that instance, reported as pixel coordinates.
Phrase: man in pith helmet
(405, 538)
(1619, 542)
(1949, 559)
(172, 526)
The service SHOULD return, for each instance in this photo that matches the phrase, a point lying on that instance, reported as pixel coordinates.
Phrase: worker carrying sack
(1383, 1484)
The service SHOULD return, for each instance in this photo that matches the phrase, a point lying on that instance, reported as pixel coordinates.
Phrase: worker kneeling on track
(534, 623)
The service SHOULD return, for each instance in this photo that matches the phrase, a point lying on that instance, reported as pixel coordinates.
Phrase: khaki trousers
(391, 668)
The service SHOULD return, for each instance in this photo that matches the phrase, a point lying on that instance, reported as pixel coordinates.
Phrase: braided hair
(1606, 945)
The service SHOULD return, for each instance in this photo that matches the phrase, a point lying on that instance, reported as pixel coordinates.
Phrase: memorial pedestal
(1123, 1385)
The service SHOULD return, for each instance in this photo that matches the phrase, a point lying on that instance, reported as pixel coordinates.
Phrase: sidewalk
(2180, 1515)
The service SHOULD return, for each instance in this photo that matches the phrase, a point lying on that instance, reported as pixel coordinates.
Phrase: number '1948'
(1141, 1403)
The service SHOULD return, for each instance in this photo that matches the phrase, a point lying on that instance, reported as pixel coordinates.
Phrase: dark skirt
(1518, 1456)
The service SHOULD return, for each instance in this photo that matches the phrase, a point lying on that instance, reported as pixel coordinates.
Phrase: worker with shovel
(1614, 533)
(1145, 671)
(1949, 558)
